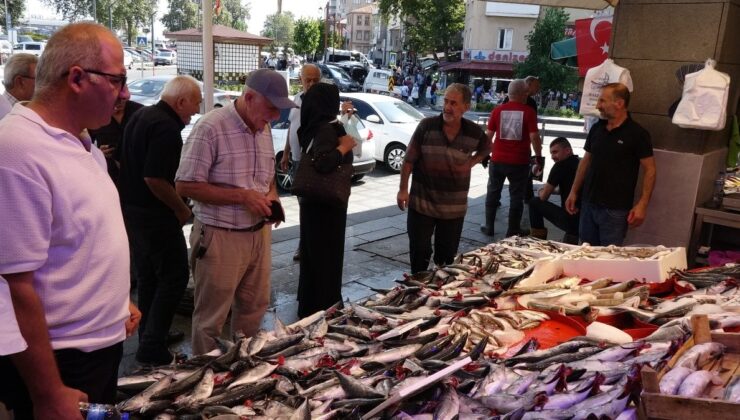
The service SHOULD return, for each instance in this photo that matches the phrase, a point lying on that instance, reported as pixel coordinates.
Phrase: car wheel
(284, 179)
(357, 178)
(394, 155)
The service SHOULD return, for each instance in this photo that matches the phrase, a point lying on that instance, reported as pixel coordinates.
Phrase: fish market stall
(493, 335)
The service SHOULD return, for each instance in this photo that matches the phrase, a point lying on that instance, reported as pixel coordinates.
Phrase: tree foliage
(280, 27)
(549, 29)
(16, 7)
(307, 35)
(430, 25)
(233, 14)
(181, 14)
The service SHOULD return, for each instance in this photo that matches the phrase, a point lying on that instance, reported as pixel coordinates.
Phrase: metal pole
(7, 25)
(208, 62)
(326, 30)
(110, 16)
(95, 11)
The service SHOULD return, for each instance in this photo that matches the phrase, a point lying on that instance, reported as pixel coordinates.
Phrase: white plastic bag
(704, 100)
(350, 126)
(596, 78)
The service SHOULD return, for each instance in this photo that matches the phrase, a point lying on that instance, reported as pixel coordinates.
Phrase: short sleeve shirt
(562, 175)
(151, 148)
(441, 174)
(615, 163)
(62, 221)
(512, 122)
(222, 150)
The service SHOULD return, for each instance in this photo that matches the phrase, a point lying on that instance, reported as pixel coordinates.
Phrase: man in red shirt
(515, 126)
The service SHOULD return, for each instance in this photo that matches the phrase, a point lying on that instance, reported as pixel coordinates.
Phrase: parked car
(355, 69)
(35, 48)
(361, 165)
(165, 58)
(148, 90)
(339, 77)
(392, 122)
(377, 82)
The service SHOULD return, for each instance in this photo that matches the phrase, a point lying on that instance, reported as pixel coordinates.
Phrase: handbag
(333, 187)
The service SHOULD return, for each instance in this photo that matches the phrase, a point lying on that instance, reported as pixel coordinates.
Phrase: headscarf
(320, 105)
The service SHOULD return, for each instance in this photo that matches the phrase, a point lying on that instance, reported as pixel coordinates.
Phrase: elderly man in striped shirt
(440, 155)
(228, 169)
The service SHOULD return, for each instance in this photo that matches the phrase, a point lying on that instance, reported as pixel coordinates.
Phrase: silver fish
(700, 354)
(671, 381)
(449, 405)
(137, 401)
(262, 370)
(201, 391)
(695, 384)
(391, 355)
(732, 392)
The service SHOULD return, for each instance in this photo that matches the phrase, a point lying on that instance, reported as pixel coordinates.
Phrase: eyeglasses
(27, 77)
(116, 79)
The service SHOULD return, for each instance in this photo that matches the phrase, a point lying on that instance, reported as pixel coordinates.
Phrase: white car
(377, 82)
(35, 48)
(361, 165)
(392, 122)
(148, 90)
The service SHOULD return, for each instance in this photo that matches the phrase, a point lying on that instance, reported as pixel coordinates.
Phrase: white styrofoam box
(622, 269)
(508, 244)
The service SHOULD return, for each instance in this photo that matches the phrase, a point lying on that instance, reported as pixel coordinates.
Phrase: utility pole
(7, 25)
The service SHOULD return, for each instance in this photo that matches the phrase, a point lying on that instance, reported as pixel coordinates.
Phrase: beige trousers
(234, 273)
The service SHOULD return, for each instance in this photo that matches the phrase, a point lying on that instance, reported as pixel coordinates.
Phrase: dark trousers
(540, 210)
(517, 176)
(322, 256)
(161, 266)
(446, 239)
(94, 373)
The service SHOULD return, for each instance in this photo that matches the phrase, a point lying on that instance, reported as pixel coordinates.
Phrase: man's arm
(165, 192)
(285, 159)
(570, 203)
(546, 191)
(254, 201)
(37, 365)
(403, 189)
(637, 215)
(536, 142)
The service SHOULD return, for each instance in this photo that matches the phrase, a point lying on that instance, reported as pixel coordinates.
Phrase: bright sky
(259, 10)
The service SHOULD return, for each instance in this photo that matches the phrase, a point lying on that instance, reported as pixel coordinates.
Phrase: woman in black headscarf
(322, 222)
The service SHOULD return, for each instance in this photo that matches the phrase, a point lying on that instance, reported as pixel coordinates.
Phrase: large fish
(701, 354)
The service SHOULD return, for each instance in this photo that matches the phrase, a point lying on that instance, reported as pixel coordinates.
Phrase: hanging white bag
(704, 100)
(349, 121)
(598, 77)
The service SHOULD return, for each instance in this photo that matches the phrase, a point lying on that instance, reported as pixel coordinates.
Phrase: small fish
(449, 405)
(137, 401)
(356, 389)
(732, 392)
(262, 370)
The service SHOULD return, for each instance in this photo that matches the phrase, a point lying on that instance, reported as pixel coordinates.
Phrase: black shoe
(486, 230)
(297, 255)
(154, 358)
(175, 336)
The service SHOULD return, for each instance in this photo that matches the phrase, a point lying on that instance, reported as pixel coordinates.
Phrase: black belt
(254, 228)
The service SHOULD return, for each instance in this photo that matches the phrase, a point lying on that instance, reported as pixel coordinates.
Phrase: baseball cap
(272, 86)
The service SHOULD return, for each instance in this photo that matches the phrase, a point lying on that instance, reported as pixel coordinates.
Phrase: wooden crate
(654, 405)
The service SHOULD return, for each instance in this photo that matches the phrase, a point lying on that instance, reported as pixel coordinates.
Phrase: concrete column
(653, 38)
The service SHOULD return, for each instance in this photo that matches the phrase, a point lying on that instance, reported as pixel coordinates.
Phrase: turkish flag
(592, 42)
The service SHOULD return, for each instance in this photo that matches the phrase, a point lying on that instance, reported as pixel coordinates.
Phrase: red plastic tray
(550, 333)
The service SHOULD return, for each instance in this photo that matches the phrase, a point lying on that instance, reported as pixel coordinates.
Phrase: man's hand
(402, 199)
(346, 106)
(132, 323)
(570, 204)
(62, 404)
(346, 143)
(256, 203)
(637, 215)
(183, 215)
(107, 151)
(285, 162)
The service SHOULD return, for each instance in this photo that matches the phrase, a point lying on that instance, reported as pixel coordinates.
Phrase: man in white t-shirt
(64, 251)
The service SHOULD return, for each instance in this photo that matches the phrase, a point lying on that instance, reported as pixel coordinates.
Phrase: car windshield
(146, 87)
(399, 112)
(339, 73)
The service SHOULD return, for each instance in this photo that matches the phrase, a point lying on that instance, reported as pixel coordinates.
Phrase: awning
(479, 67)
(564, 52)
(577, 4)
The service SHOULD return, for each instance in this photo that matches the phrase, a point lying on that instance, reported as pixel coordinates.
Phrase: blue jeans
(601, 226)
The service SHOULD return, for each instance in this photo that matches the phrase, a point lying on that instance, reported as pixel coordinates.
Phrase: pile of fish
(697, 370)
(617, 252)
(447, 343)
(533, 244)
(707, 277)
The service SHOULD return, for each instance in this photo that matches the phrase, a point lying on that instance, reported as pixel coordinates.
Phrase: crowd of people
(94, 188)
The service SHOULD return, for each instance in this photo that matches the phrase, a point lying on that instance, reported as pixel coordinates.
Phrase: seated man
(562, 175)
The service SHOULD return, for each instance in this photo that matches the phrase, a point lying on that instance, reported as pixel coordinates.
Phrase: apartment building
(359, 29)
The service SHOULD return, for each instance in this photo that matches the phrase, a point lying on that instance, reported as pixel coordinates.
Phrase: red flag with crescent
(592, 42)
(218, 7)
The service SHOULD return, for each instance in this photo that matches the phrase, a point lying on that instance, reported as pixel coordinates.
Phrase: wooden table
(712, 217)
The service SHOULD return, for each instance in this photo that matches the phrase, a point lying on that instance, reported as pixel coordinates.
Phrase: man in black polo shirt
(616, 148)
(154, 213)
(561, 177)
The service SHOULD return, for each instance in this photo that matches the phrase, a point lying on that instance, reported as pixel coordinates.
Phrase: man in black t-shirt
(616, 148)
(561, 177)
(154, 213)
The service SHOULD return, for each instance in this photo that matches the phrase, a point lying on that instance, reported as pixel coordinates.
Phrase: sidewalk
(376, 247)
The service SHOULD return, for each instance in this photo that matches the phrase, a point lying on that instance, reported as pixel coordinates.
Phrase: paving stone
(389, 247)
(381, 234)
(285, 246)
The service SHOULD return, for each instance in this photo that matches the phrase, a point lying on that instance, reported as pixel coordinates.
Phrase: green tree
(280, 27)
(307, 35)
(549, 29)
(233, 14)
(16, 7)
(430, 25)
(181, 14)
(72, 10)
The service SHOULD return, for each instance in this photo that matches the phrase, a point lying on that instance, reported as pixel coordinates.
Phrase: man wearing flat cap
(228, 170)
